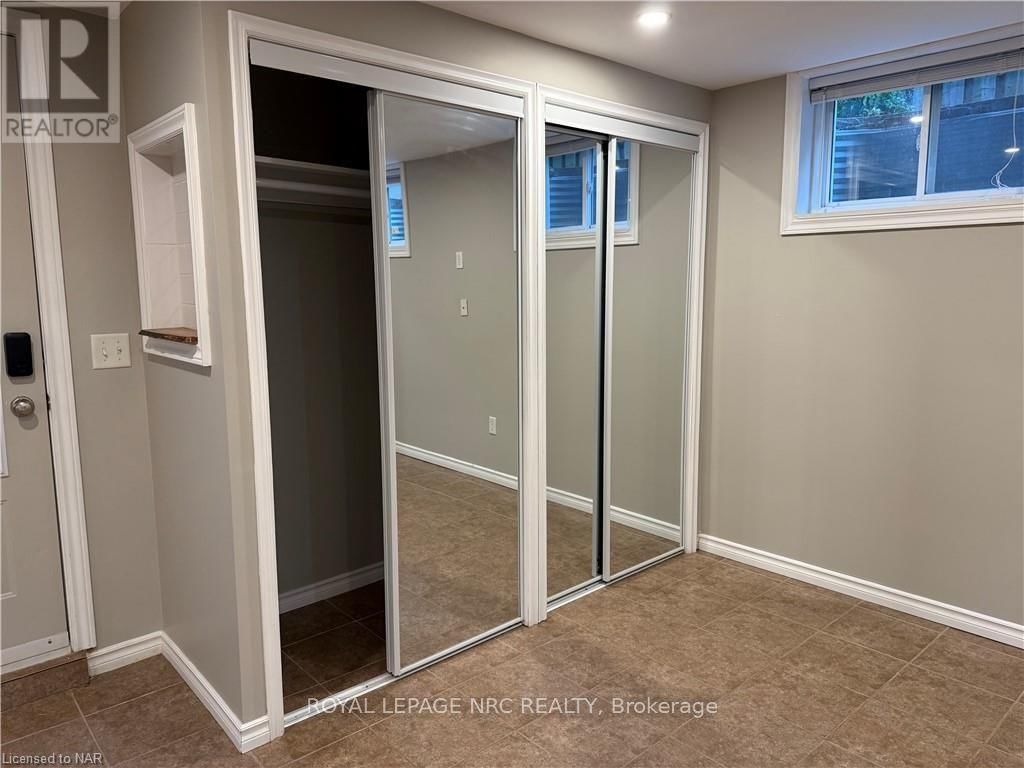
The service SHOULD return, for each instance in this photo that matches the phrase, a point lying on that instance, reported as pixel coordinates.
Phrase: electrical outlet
(464, 307)
(492, 425)
(458, 259)
(110, 350)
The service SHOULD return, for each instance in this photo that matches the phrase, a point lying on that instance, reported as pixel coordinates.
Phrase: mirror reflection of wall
(454, 269)
(648, 349)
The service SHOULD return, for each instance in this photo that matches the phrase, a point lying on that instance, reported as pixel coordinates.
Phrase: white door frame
(56, 345)
(242, 29)
(643, 125)
(532, 466)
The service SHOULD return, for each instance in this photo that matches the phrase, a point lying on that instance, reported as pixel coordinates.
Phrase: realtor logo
(61, 66)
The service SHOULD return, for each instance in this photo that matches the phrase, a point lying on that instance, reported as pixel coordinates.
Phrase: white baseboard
(34, 652)
(122, 654)
(619, 515)
(245, 736)
(336, 585)
(458, 465)
(952, 616)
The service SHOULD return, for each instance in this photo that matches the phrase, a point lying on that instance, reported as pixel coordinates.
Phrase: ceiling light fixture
(1011, 150)
(653, 19)
(917, 119)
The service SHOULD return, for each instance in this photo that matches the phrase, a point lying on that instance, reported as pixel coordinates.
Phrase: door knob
(22, 406)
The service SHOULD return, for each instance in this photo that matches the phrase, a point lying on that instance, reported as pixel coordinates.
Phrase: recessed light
(653, 19)
(917, 119)
(1011, 150)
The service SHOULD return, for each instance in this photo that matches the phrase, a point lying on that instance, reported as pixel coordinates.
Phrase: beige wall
(319, 305)
(862, 398)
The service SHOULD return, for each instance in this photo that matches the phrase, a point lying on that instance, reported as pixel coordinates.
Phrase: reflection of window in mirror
(398, 213)
(572, 193)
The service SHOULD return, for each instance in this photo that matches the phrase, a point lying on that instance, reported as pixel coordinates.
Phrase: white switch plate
(492, 425)
(110, 350)
(458, 259)
(464, 307)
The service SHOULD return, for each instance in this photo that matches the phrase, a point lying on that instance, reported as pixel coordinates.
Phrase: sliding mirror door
(573, 219)
(645, 347)
(452, 262)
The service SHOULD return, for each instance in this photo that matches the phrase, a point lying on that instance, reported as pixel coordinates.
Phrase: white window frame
(569, 238)
(401, 251)
(807, 163)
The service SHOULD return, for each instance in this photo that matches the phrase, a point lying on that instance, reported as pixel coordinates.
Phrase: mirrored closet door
(446, 193)
(617, 234)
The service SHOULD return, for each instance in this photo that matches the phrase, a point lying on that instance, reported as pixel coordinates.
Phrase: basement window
(398, 213)
(933, 140)
(572, 205)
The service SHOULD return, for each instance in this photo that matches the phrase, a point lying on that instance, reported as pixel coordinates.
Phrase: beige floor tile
(694, 603)
(804, 603)
(126, 683)
(361, 602)
(829, 755)
(310, 620)
(685, 565)
(529, 677)
(992, 645)
(363, 748)
(293, 679)
(602, 739)
(384, 702)
(38, 715)
(987, 757)
(476, 660)
(734, 582)
(669, 753)
(745, 736)
(584, 658)
(1009, 737)
(207, 749)
(814, 704)
(759, 630)
(65, 740)
(895, 637)
(303, 698)
(945, 703)
(22, 686)
(891, 737)
(146, 723)
(513, 751)
(527, 638)
(893, 613)
(859, 669)
(337, 651)
(308, 736)
(969, 662)
(723, 662)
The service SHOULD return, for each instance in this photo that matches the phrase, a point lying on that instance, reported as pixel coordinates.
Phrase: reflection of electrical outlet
(464, 307)
(458, 259)
(110, 350)
(492, 425)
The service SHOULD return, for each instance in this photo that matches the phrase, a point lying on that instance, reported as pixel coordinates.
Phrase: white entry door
(31, 581)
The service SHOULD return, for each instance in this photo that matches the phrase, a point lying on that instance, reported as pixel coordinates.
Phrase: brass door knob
(22, 406)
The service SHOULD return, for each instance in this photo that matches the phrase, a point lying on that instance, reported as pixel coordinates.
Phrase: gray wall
(862, 398)
(102, 293)
(452, 372)
(319, 305)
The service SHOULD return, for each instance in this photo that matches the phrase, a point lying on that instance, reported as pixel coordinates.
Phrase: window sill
(576, 242)
(1007, 209)
(398, 251)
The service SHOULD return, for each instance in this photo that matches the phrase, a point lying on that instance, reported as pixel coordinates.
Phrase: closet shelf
(180, 335)
(291, 181)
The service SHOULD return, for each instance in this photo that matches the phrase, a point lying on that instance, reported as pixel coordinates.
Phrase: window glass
(622, 183)
(396, 210)
(568, 189)
(875, 145)
(979, 129)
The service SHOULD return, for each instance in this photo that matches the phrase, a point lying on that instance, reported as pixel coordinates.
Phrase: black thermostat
(18, 353)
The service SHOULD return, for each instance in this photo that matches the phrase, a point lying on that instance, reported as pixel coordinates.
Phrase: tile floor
(801, 676)
(458, 545)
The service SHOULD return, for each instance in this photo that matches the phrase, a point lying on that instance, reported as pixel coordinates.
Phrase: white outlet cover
(110, 350)
(464, 307)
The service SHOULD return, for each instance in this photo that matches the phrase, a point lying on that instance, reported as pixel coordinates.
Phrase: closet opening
(316, 245)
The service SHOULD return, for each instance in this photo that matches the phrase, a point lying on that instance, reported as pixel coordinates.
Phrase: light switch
(492, 425)
(110, 350)
(464, 307)
(458, 259)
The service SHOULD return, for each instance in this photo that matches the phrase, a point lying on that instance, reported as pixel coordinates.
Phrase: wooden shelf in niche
(169, 241)
(179, 335)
